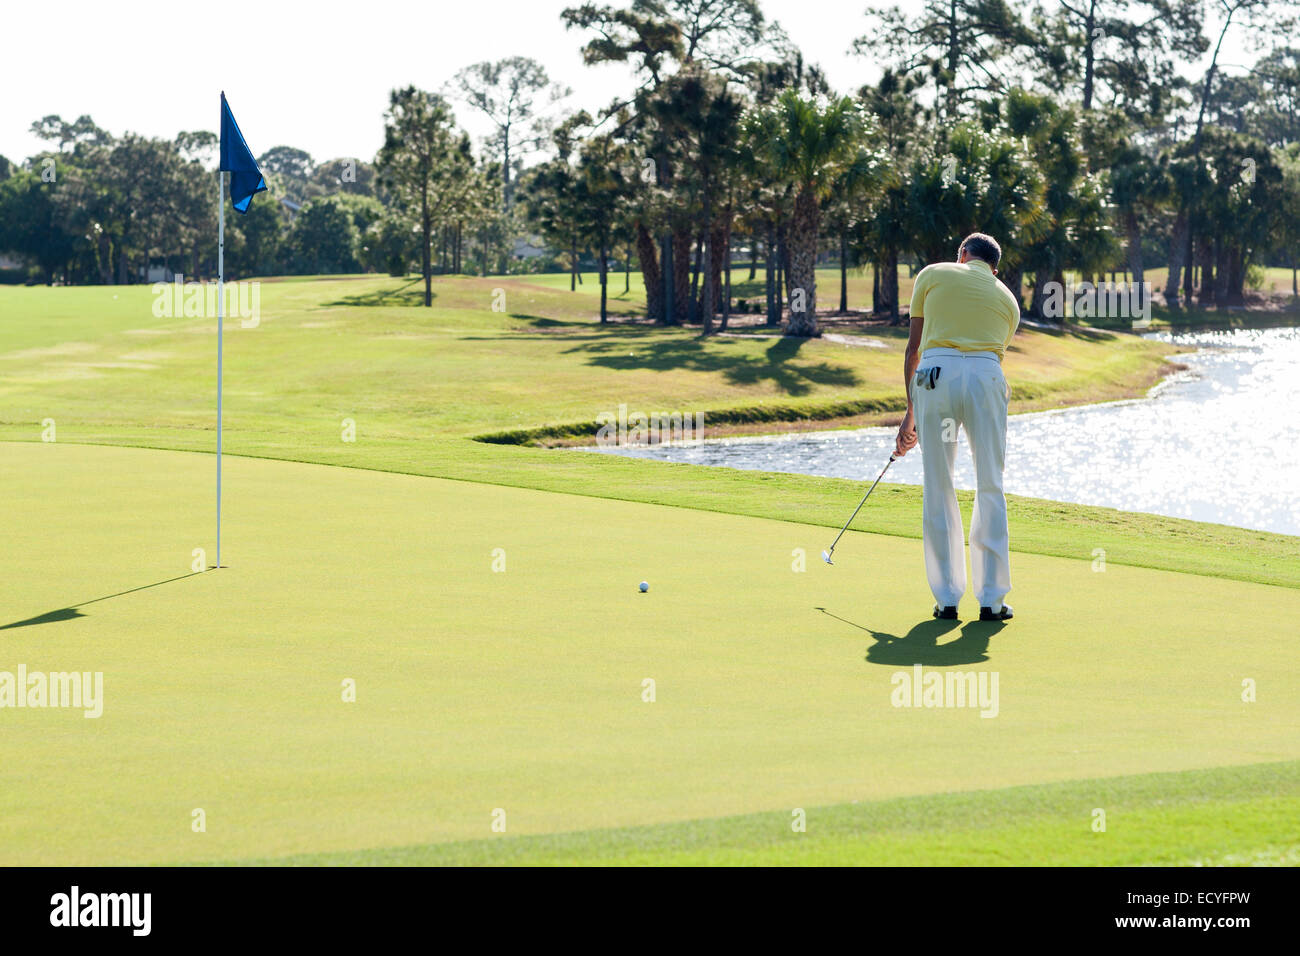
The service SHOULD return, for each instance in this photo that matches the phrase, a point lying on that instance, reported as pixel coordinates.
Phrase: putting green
(522, 688)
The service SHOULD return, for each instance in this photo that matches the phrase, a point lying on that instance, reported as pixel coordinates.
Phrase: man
(963, 319)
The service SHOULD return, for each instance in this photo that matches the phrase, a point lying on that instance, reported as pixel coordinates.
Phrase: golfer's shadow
(73, 611)
(921, 644)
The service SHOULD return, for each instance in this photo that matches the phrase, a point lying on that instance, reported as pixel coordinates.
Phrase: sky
(317, 76)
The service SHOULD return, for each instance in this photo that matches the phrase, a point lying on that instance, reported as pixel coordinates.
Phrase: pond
(1220, 442)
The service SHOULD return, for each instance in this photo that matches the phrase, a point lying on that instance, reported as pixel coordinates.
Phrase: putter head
(826, 556)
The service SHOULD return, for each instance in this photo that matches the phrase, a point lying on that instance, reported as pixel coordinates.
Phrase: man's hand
(906, 439)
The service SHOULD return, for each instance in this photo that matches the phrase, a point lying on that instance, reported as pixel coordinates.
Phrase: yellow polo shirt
(965, 306)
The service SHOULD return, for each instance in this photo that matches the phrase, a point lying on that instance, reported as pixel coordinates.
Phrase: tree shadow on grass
(542, 322)
(412, 293)
(1069, 330)
(72, 611)
(920, 645)
(777, 366)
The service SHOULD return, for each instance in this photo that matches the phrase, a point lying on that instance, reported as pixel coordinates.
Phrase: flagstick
(221, 312)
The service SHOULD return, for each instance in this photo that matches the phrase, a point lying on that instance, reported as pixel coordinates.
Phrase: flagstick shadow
(920, 645)
(71, 612)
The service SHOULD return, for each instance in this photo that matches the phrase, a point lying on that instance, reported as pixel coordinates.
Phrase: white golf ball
(644, 586)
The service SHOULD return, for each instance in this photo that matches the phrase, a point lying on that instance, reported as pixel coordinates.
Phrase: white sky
(317, 75)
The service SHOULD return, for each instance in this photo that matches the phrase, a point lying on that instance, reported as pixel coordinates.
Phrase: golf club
(826, 555)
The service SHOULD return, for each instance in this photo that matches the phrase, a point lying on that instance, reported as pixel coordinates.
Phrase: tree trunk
(669, 260)
(104, 259)
(506, 187)
(844, 272)
(1089, 55)
(1208, 258)
(706, 266)
(1177, 250)
(783, 271)
(753, 257)
(875, 287)
(1236, 292)
(426, 250)
(573, 263)
(693, 300)
(726, 280)
(604, 282)
(1222, 253)
(780, 279)
(769, 276)
(682, 275)
(650, 274)
(889, 285)
(1038, 296)
(803, 262)
(954, 58)
(717, 262)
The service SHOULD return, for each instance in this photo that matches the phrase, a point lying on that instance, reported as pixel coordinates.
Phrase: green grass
(521, 689)
(1195, 818)
(419, 383)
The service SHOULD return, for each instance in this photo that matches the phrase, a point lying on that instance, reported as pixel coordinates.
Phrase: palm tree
(987, 182)
(807, 144)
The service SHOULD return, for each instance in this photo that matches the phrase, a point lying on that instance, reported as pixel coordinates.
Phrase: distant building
(527, 249)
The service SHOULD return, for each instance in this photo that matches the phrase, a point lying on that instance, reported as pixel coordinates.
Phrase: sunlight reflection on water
(1218, 443)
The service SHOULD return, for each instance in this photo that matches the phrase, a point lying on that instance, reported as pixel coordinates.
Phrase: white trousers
(971, 393)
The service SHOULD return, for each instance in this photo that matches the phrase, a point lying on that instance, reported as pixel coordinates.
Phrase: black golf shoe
(986, 614)
(948, 613)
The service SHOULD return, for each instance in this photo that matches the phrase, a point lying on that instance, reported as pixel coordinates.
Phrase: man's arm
(911, 359)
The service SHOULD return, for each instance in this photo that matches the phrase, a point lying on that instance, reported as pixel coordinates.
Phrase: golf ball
(644, 586)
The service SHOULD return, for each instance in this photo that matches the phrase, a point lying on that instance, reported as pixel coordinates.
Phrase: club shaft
(862, 502)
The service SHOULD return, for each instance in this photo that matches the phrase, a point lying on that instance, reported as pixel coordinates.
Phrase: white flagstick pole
(221, 312)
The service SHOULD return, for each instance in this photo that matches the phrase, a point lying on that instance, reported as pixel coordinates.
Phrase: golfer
(963, 319)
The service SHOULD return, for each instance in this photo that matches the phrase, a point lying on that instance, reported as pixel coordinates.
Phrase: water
(1220, 442)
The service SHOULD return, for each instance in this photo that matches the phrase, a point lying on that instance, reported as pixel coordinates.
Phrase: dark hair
(982, 247)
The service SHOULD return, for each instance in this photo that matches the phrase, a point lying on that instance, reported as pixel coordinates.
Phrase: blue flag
(236, 159)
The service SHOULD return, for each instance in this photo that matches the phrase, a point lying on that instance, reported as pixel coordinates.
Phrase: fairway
(521, 688)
